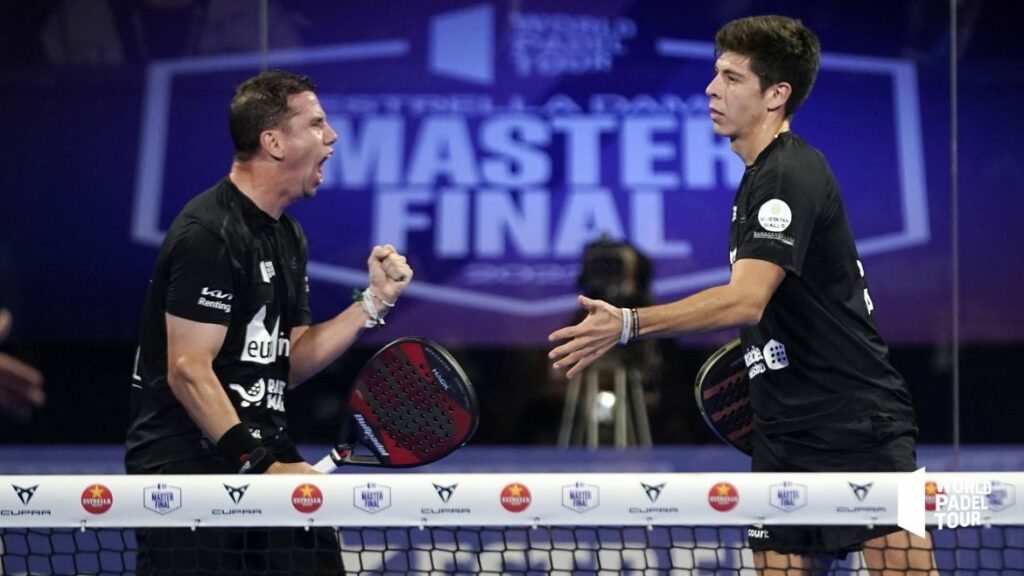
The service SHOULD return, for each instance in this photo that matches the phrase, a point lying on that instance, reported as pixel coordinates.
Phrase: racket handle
(330, 463)
(325, 465)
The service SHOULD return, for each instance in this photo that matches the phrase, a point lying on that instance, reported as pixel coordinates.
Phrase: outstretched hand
(21, 386)
(588, 340)
(389, 273)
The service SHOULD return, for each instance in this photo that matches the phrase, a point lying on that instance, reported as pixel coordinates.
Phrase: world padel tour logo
(515, 497)
(97, 499)
(723, 497)
(307, 498)
(964, 503)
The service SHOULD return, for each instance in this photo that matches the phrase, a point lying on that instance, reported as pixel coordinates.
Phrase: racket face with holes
(412, 404)
(723, 396)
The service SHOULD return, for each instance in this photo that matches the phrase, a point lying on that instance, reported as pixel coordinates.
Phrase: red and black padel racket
(411, 404)
(723, 396)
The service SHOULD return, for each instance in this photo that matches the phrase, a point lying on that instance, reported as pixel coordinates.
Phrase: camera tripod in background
(608, 394)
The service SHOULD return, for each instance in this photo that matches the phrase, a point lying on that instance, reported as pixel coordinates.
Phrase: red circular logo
(723, 497)
(931, 490)
(307, 498)
(97, 499)
(515, 497)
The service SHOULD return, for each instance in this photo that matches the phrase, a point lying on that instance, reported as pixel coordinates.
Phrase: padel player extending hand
(21, 385)
(226, 325)
(824, 395)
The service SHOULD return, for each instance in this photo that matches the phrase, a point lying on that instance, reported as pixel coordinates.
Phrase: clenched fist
(389, 273)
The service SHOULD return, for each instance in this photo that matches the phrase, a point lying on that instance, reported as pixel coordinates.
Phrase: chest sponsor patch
(775, 215)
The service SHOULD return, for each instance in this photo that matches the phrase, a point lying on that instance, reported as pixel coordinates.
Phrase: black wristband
(244, 451)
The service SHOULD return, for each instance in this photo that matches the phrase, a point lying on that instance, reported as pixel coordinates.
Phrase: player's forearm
(200, 392)
(322, 343)
(711, 309)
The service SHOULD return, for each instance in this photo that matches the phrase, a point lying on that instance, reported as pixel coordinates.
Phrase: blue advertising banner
(491, 142)
(493, 151)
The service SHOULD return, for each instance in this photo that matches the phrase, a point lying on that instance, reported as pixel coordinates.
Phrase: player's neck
(257, 182)
(750, 146)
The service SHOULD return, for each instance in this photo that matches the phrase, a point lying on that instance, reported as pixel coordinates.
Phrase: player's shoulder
(800, 165)
(208, 215)
(796, 154)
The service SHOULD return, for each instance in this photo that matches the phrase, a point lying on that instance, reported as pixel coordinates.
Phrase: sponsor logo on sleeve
(775, 215)
(216, 299)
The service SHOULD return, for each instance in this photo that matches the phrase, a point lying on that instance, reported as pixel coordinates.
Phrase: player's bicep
(192, 344)
(756, 281)
(297, 333)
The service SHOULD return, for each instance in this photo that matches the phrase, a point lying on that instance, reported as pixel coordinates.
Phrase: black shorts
(215, 551)
(786, 455)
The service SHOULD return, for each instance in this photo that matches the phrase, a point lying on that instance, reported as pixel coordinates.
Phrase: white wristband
(627, 326)
(376, 317)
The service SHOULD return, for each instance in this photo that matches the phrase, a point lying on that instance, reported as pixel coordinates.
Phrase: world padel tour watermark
(953, 501)
(958, 503)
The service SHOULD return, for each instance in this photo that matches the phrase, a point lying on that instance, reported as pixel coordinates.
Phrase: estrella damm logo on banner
(723, 497)
(515, 497)
(307, 498)
(97, 499)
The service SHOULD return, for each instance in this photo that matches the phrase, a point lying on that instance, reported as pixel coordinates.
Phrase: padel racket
(410, 405)
(723, 396)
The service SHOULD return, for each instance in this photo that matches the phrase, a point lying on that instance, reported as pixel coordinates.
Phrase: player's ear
(778, 94)
(270, 141)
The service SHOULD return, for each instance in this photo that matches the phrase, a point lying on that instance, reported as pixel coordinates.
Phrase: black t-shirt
(819, 370)
(224, 261)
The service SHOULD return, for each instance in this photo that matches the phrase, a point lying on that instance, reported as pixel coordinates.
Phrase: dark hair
(260, 103)
(781, 49)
